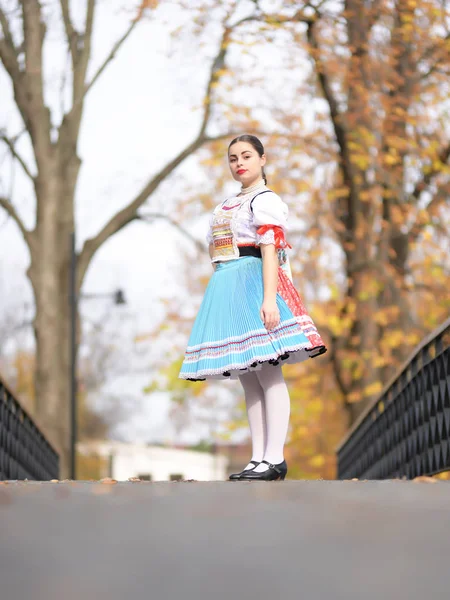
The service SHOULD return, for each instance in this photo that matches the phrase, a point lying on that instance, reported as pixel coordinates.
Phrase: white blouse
(247, 216)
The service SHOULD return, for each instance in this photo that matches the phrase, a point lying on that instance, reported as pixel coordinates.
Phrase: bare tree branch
(439, 198)
(36, 114)
(214, 76)
(84, 54)
(11, 211)
(433, 50)
(80, 51)
(7, 32)
(329, 97)
(436, 68)
(27, 83)
(152, 216)
(89, 25)
(11, 145)
(337, 369)
(219, 61)
(129, 214)
(217, 67)
(428, 177)
(339, 130)
(71, 33)
(110, 57)
(374, 14)
(8, 52)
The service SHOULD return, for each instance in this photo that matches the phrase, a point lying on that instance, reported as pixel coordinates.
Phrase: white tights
(268, 409)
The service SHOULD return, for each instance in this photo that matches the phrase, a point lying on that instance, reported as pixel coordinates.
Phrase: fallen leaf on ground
(108, 480)
(424, 479)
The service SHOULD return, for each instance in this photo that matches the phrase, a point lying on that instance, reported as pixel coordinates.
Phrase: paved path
(221, 541)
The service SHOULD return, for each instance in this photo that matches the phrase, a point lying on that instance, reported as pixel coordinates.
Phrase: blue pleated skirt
(228, 337)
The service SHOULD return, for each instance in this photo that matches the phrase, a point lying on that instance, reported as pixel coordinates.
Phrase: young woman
(252, 320)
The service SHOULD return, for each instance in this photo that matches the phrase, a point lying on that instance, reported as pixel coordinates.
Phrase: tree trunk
(49, 274)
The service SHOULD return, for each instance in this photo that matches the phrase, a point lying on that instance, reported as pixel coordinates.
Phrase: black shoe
(235, 476)
(273, 473)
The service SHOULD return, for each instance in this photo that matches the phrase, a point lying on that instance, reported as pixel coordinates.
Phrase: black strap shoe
(236, 476)
(273, 473)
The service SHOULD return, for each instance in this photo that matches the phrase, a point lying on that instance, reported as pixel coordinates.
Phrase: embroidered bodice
(249, 220)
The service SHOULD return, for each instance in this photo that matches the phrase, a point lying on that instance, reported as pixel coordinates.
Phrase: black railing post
(24, 451)
(73, 302)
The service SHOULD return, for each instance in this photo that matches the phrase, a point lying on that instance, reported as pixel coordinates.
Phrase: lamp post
(118, 298)
(73, 300)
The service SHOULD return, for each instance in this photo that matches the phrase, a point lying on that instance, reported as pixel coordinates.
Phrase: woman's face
(245, 163)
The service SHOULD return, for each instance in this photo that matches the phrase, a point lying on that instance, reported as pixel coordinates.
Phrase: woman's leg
(277, 404)
(254, 401)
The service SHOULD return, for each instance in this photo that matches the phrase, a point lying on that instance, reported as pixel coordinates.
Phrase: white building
(156, 463)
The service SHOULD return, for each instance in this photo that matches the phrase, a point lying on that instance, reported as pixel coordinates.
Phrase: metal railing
(406, 431)
(24, 451)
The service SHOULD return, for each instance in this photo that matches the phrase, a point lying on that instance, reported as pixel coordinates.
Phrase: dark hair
(253, 141)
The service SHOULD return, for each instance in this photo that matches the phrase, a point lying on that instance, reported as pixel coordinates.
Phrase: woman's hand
(270, 314)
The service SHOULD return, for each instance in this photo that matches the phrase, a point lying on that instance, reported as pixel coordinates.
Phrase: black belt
(250, 251)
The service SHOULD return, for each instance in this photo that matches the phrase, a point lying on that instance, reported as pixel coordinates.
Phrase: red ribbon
(280, 240)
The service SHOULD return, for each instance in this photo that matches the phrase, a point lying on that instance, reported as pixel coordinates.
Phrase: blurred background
(115, 119)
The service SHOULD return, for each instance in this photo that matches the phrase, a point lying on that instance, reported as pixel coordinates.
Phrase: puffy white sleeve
(270, 215)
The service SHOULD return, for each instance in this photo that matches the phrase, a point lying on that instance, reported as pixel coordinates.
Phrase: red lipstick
(240, 171)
